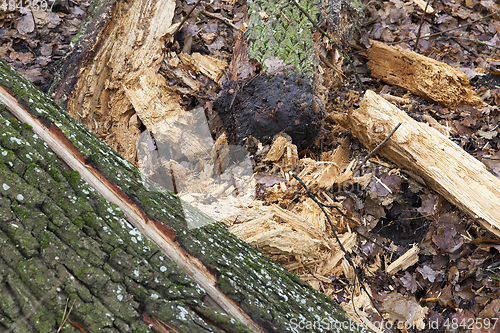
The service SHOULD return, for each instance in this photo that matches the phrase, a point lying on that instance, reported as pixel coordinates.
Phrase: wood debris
(406, 260)
(423, 76)
(444, 166)
(284, 151)
(423, 5)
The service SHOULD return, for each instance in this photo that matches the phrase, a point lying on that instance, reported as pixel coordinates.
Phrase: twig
(465, 47)
(420, 26)
(346, 56)
(346, 254)
(471, 40)
(444, 31)
(184, 20)
(223, 19)
(65, 317)
(376, 149)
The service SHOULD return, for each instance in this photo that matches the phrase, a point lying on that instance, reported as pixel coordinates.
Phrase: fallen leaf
(26, 24)
(444, 239)
(492, 310)
(405, 310)
(428, 273)
(409, 282)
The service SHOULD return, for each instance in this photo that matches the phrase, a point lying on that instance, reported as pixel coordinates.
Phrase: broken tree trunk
(110, 82)
(74, 220)
(443, 165)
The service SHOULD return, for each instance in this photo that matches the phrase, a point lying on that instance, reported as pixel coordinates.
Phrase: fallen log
(444, 166)
(81, 227)
(428, 78)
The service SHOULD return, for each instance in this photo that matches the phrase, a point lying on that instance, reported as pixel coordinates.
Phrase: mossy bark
(60, 239)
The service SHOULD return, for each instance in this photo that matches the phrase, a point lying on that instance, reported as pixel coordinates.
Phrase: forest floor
(455, 284)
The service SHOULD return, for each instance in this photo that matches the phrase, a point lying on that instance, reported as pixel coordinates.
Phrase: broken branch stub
(445, 167)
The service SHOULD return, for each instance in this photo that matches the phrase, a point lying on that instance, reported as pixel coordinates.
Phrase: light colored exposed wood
(209, 66)
(131, 43)
(120, 89)
(422, 3)
(445, 167)
(423, 76)
(406, 260)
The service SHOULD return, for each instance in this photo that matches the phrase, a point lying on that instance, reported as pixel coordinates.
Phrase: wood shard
(152, 99)
(423, 76)
(211, 67)
(442, 164)
(406, 260)
(422, 4)
(285, 152)
(262, 230)
(277, 149)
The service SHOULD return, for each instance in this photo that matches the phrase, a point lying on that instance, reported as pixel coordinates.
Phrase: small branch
(342, 248)
(420, 26)
(184, 20)
(346, 56)
(223, 19)
(375, 150)
(445, 31)
(66, 316)
(471, 40)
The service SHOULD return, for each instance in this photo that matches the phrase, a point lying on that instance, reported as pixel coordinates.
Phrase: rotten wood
(444, 166)
(423, 76)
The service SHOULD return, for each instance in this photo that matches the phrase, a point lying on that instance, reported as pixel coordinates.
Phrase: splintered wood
(406, 260)
(119, 88)
(300, 237)
(423, 76)
(445, 167)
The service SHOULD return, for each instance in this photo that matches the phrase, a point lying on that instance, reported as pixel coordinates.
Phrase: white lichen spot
(183, 313)
(56, 258)
(134, 240)
(163, 268)
(161, 258)
(154, 296)
(4, 153)
(136, 273)
(16, 140)
(120, 297)
(5, 187)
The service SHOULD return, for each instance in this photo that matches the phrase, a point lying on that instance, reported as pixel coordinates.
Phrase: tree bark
(75, 216)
